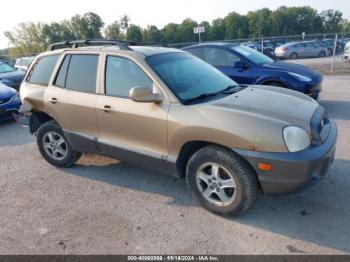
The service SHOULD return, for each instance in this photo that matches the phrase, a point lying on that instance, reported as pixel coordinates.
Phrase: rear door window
(78, 73)
(41, 71)
(219, 57)
(198, 52)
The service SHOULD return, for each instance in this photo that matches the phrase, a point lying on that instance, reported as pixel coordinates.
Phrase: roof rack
(77, 43)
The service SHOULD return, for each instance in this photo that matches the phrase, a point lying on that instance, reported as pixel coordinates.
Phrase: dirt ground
(323, 65)
(101, 206)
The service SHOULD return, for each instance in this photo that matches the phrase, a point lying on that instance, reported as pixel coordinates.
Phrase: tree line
(35, 37)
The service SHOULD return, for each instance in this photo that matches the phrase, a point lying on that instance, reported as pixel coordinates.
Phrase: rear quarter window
(42, 69)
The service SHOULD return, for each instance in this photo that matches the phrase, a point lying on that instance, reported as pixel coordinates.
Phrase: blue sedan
(9, 102)
(248, 66)
(10, 76)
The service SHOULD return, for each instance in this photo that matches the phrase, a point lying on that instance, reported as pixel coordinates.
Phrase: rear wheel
(293, 55)
(322, 54)
(54, 147)
(221, 181)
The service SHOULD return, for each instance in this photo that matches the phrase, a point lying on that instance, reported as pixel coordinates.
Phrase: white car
(346, 55)
(23, 63)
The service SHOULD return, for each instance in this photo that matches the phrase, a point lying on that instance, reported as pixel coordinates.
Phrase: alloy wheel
(55, 145)
(216, 184)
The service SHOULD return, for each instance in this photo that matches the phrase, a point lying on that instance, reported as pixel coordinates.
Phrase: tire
(235, 179)
(52, 142)
(275, 84)
(322, 54)
(293, 55)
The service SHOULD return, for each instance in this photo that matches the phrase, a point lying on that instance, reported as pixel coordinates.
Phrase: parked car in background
(248, 66)
(10, 76)
(268, 49)
(168, 111)
(321, 43)
(330, 44)
(346, 55)
(23, 63)
(300, 49)
(9, 102)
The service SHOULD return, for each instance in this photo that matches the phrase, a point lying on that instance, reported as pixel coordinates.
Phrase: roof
(225, 44)
(154, 50)
(143, 50)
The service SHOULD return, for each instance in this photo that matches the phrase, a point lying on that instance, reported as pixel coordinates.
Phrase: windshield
(188, 76)
(5, 68)
(252, 55)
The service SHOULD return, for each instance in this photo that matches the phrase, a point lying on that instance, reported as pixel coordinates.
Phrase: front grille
(320, 125)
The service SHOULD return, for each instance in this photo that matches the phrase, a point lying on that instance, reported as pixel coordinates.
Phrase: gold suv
(168, 111)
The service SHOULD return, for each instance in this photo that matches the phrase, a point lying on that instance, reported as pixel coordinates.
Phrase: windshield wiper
(199, 97)
(230, 89)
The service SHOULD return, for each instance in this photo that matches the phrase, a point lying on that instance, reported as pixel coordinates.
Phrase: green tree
(152, 35)
(237, 26)
(27, 38)
(217, 29)
(113, 31)
(259, 22)
(124, 22)
(56, 32)
(332, 20)
(345, 26)
(134, 33)
(185, 31)
(87, 26)
(169, 33)
(206, 35)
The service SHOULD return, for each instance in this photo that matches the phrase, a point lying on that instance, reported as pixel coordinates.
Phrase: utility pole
(334, 49)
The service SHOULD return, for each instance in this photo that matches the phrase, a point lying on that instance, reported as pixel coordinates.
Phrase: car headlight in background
(300, 77)
(296, 138)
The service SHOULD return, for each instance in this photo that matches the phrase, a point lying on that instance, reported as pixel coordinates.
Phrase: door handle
(53, 100)
(106, 108)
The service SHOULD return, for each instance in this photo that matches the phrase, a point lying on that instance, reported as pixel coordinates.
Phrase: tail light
(284, 49)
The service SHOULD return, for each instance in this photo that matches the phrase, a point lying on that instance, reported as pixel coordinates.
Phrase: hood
(275, 104)
(291, 67)
(6, 92)
(16, 73)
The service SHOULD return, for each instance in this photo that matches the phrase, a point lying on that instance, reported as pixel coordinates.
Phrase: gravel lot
(103, 207)
(323, 65)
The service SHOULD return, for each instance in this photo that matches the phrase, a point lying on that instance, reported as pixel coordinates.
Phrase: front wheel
(221, 181)
(294, 56)
(54, 147)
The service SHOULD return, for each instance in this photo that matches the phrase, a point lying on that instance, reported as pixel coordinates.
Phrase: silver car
(301, 49)
(346, 55)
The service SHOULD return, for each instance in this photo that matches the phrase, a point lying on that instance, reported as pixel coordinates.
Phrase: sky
(143, 12)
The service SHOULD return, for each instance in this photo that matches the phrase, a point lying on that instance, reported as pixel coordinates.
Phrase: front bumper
(292, 172)
(8, 110)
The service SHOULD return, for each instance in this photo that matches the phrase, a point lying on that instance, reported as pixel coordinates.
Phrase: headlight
(5, 80)
(296, 138)
(300, 77)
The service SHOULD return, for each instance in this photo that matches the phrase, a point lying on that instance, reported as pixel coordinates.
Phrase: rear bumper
(292, 172)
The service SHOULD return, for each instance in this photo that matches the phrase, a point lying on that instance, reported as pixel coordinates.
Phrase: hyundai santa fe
(166, 110)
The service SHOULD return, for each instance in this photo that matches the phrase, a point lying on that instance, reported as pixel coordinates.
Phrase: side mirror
(239, 65)
(144, 95)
